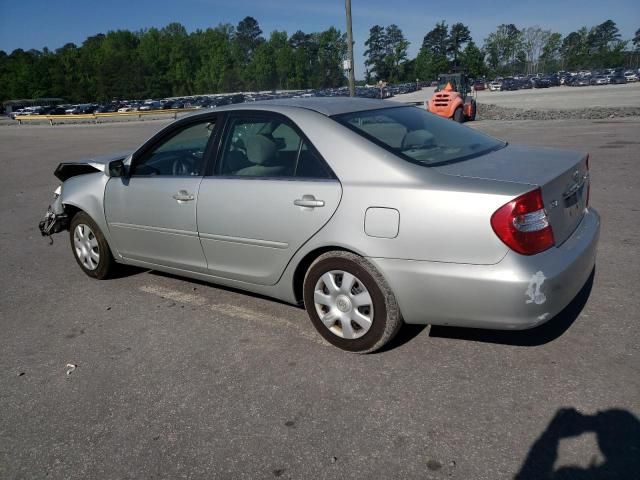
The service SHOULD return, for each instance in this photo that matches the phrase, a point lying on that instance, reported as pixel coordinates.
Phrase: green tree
(305, 53)
(284, 60)
(550, 57)
(260, 74)
(395, 53)
(472, 61)
(376, 52)
(332, 48)
(216, 64)
(432, 57)
(436, 42)
(575, 50)
(459, 34)
(503, 48)
(248, 37)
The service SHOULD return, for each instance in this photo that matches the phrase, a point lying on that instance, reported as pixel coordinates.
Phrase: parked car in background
(554, 80)
(630, 76)
(524, 84)
(479, 85)
(495, 86)
(509, 84)
(617, 79)
(599, 80)
(150, 105)
(53, 110)
(540, 82)
(579, 81)
(392, 215)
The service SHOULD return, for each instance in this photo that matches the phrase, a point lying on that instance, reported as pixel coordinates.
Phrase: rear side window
(268, 147)
(419, 136)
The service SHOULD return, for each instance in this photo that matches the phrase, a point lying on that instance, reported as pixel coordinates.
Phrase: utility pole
(352, 77)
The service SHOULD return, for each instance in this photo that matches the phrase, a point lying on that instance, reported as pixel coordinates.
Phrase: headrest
(260, 149)
(417, 139)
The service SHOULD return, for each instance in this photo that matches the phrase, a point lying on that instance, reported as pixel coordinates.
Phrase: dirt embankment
(495, 112)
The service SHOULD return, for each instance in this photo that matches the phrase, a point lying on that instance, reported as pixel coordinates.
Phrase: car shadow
(217, 286)
(618, 435)
(405, 335)
(124, 271)
(545, 333)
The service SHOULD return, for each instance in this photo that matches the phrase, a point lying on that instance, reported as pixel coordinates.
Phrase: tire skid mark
(230, 310)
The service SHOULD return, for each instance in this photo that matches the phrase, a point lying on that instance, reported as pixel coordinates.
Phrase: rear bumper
(517, 293)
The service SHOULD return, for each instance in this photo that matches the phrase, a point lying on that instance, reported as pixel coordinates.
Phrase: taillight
(523, 224)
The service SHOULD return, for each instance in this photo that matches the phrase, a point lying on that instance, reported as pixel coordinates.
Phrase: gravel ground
(496, 112)
(558, 103)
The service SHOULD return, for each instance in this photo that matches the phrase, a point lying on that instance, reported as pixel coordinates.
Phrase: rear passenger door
(269, 193)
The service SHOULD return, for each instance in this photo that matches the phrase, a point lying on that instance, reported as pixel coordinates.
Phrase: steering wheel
(180, 167)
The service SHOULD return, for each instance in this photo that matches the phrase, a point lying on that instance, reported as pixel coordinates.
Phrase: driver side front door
(152, 213)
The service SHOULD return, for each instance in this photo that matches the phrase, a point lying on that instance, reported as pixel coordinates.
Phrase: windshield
(419, 136)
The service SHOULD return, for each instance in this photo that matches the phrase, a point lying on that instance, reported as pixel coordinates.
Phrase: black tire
(386, 319)
(458, 116)
(105, 264)
(474, 110)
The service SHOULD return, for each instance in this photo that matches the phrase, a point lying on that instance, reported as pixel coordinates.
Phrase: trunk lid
(562, 175)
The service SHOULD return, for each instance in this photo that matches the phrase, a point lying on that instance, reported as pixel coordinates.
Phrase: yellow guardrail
(96, 116)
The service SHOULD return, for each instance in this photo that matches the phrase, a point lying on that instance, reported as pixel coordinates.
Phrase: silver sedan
(368, 213)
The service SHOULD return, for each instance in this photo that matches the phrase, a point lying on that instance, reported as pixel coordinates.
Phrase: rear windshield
(419, 136)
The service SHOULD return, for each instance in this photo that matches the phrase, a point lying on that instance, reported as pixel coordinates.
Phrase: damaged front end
(56, 219)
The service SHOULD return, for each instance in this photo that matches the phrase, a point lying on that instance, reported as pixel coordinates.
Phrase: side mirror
(116, 168)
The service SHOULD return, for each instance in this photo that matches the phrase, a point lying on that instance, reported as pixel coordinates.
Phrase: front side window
(268, 147)
(419, 136)
(182, 154)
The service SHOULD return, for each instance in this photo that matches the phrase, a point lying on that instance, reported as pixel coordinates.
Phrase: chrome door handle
(308, 201)
(183, 196)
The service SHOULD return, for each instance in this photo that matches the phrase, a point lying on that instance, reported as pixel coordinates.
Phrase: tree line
(166, 62)
(506, 51)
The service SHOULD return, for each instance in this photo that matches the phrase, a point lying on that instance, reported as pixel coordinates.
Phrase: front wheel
(350, 303)
(458, 115)
(90, 248)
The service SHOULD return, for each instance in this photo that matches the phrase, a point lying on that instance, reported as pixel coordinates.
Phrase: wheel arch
(86, 193)
(304, 264)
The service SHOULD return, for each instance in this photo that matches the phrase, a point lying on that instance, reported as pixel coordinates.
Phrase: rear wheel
(90, 248)
(474, 110)
(350, 303)
(458, 115)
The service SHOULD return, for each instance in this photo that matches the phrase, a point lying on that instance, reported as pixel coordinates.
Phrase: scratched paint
(533, 290)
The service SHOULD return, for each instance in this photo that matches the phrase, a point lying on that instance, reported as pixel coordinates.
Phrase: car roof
(324, 105)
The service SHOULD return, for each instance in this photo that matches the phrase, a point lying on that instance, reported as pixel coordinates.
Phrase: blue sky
(30, 24)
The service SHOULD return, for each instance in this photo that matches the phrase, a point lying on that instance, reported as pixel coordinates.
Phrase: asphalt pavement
(181, 379)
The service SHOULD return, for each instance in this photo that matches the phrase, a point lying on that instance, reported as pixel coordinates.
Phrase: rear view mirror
(116, 168)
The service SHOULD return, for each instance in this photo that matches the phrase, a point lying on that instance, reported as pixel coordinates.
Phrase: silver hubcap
(86, 245)
(343, 304)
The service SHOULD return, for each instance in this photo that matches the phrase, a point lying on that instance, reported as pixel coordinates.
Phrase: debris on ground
(71, 367)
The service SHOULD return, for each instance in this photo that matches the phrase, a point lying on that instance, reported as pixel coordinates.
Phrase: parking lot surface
(181, 379)
(557, 98)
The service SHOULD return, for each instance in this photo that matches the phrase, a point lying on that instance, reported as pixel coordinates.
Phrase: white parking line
(234, 311)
